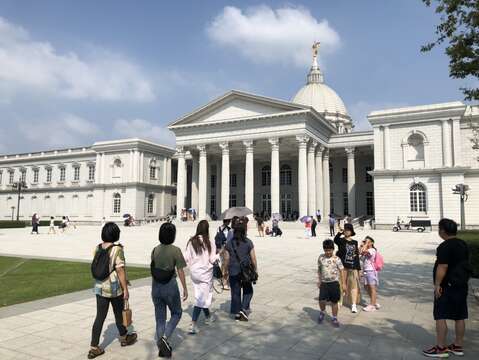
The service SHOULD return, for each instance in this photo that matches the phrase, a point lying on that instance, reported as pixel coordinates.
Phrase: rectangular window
(11, 174)
(345, 203)
(35, 175)
(213, 203)
(331, 203)
(232, 200)
(62, 174)
(213, 181)
(369, 203)
(76, 173)
(233, 180)
(345, 175)
(369, 178)
(49, 175)
(152, 173)
(91, 173)
(23, 175)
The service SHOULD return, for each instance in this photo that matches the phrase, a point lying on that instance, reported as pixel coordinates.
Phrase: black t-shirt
(450, 252)
(348, 252)
(243, 250)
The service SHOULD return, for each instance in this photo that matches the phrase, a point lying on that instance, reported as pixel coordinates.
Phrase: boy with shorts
(330, 272)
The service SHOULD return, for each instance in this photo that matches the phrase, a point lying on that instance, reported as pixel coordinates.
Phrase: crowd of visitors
(340, 276)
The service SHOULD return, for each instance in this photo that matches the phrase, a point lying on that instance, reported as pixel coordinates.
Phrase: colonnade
(313, 177)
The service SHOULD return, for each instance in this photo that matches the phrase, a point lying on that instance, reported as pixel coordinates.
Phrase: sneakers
(335, 322)
(210, 319)
(321, 317)
(243, 316)
(455, 350)
(436, 352)
(164, 348)
(193, 330)
(377, 306)
(128, 339)
(354, 309)
(369, 308)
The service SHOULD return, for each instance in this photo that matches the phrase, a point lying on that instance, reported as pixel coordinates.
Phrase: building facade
(273, 156)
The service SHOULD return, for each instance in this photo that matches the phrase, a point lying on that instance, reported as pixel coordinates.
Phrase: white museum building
(271, 155)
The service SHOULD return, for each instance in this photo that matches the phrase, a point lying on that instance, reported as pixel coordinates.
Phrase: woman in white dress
(200, 255)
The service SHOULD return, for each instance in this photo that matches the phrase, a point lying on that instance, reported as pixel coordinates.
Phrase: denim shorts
(370, 277)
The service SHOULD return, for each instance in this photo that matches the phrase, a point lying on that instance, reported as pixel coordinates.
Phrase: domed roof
(320, 96)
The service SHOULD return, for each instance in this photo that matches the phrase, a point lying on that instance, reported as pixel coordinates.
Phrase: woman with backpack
(369, 259)
(200, 255)
(111, 287)
(166, 261)
(239, 256)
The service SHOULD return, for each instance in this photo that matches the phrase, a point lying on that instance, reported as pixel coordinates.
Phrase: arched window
(416, 147)
(285, 175)
(117, 168)
(266, 176)
(150, 202)
(417, 198)
(152, 170)
(116, 203)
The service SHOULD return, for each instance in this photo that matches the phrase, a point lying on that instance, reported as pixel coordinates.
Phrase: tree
(459, 27)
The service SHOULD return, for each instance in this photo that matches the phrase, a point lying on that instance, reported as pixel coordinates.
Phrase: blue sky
(75, 72)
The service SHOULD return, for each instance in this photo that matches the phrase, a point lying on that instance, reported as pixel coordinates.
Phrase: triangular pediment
(236, 105)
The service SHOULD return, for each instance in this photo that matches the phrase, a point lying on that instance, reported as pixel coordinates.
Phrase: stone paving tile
(283, 324)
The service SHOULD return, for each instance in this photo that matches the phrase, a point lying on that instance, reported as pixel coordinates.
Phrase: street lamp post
(19, 186)
(461, 190)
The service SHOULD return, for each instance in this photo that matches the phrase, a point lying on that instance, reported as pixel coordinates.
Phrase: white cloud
(361, 109)
(262, 34)
(29, 65)
(67, 130)
(143, 129)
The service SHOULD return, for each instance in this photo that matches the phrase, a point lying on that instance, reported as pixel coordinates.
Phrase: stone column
(326, 182)
(180, 182)
(130, 166)
(387, 150)
(446, 144)
(194, 182)
(168, 171)
(302, 175)
(274, 175)
(249, 175)
(164, 173)
(456, 142)
(203, 181)
(351, 182)
(218, 188)
(103, 169)
(225, 176)
(404, 147)
(319, 180)
(378, 148)
(97, 169)
(142, 167)
(312, 178)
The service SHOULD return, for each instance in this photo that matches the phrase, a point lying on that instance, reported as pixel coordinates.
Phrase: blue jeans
(197, 312)
(166, 295)
(239, 303)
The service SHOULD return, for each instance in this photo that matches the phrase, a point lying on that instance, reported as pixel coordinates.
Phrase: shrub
(47, 222)
(9, 224)
(471, 237)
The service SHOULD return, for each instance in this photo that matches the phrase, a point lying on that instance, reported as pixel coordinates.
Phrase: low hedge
(472, 239)
(9, 224)
(47, 222)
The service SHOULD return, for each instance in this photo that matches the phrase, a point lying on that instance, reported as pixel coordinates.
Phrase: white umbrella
(236, 211)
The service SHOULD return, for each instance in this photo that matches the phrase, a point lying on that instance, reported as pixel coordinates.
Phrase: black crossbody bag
(248, 272)
(160, 275)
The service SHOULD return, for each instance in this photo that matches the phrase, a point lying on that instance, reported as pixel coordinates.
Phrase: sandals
(128, 339)
(93, 353)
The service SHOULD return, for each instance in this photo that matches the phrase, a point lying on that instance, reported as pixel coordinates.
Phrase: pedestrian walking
(165, 259)
(318, 215)
(200, 255)
(220, 242)
(331, 222)
(35, 223)
(348, 252)
(314, 223)
(260, 225)
(330, 273)
(240, 254)
(111, 287)
(451, 275)
(307, 228)
(368, 257)
(51, 228)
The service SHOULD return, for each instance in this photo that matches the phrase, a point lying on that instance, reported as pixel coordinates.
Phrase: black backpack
(160, 275)
(100, 266)
(220, 239)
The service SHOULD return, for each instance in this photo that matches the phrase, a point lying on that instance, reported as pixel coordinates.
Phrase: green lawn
(23, 280)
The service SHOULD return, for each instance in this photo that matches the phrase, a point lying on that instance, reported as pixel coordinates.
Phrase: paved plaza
(283, 322)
